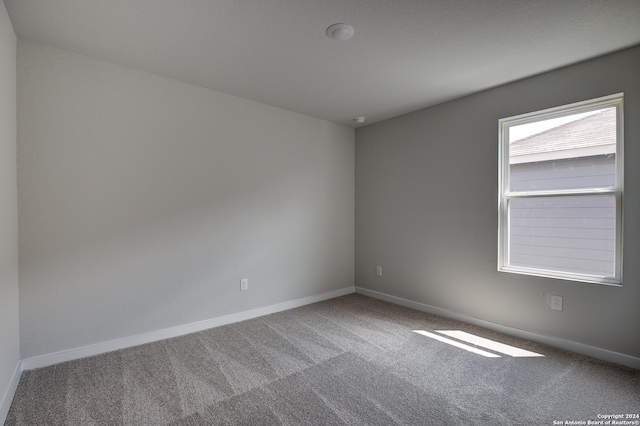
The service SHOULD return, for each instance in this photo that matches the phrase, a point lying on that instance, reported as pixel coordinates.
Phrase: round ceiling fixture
(340, 32)
(359, 120)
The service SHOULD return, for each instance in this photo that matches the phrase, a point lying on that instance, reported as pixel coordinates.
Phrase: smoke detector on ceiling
(340, 32)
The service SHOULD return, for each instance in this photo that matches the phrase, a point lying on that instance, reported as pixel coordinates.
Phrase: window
(560, 202)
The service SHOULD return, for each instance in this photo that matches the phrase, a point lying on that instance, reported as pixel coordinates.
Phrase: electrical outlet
(556, 303)
(244, 284)
(379, 271)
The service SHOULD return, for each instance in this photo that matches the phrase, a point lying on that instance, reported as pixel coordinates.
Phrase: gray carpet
(352, 360)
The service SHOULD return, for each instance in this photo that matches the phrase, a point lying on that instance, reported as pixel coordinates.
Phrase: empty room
(344, 212)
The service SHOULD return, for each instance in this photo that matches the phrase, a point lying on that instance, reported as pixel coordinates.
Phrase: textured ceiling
(405, 55)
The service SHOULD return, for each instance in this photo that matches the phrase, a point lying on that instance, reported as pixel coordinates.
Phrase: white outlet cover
(556, 303)
(244, 284)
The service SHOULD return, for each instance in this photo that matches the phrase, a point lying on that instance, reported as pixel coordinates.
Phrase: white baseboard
(568, 345)
(7, 398)
(153, 336)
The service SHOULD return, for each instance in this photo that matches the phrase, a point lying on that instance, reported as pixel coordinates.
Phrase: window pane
(570, 234)
(572, 152)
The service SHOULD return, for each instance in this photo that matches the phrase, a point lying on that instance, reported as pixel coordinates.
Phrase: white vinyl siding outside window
(560, 200)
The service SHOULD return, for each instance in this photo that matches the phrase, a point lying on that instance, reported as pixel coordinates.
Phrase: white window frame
(505, 195)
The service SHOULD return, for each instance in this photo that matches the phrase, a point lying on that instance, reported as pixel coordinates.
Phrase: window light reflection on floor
(478, 341)
(457, 344)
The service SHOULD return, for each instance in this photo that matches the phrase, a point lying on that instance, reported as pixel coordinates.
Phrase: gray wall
(143, 201)
(426, 210)
(9, 338)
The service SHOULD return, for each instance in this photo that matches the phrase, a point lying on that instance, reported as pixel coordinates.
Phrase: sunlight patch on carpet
(489, 344)
(457, 344)
(492, 345)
